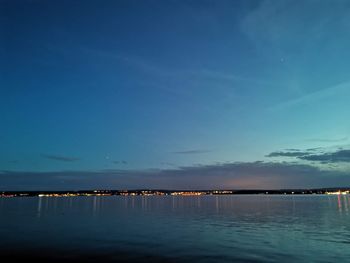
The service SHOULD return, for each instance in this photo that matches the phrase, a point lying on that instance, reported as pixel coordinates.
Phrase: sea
(225, 228)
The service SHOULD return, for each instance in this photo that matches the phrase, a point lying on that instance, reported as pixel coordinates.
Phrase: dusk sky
(174, 94)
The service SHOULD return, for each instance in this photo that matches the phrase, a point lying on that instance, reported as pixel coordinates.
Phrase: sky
(174, 94)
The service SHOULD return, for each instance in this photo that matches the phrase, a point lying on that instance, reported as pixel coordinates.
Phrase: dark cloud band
(288, 154)
(248, 175)
(60, 158)
(335, 157)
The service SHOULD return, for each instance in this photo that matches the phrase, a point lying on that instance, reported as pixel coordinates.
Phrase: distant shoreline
(156, 192)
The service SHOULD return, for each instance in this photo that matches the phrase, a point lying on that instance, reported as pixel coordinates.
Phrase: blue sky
(158, 93)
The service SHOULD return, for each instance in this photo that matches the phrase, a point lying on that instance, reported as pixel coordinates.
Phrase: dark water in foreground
(176, 229)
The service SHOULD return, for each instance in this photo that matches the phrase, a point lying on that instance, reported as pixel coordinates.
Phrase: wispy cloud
(328, 140)
(168, 164)
(60, 158)
(279, 25)
(120, 162)
(313, 96)
(170, 79)
(291, 32)
(194, 151)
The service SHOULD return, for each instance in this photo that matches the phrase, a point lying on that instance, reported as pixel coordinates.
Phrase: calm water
(177, 229)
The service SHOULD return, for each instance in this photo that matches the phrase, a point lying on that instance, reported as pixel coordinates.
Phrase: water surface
(257, 228)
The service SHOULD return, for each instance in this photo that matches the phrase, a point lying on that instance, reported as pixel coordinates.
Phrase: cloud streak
(195, 151)
(120, 162)
(288, 154)
(329, 140)
(60, 158)
(311, 97)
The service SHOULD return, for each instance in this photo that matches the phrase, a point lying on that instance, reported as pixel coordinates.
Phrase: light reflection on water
(199, 228)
